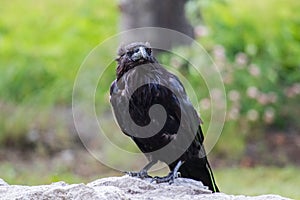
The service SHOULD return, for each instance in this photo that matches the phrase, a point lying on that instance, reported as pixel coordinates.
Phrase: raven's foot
(167, 179)
(141, 174)
(171, 176)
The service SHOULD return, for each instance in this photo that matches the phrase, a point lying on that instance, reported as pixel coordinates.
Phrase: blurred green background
(256, 45)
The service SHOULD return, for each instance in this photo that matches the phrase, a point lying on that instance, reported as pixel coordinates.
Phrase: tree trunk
(168, 14)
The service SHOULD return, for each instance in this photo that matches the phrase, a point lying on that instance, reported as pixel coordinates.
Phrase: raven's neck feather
(124, 67)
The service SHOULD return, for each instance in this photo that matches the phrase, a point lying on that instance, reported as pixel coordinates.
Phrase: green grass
(43, 44)
(260, 180)
(14, 174)
(73, 166)
(244, 181)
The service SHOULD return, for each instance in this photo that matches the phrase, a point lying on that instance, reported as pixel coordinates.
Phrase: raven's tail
(200, 170)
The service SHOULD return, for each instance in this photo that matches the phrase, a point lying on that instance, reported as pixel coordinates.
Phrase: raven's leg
(171, 176)
(143, 173)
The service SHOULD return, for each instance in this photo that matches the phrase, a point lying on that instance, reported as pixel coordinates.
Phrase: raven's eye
(129, 53)
(149, 51)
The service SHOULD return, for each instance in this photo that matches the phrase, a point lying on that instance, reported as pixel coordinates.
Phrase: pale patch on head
(128, 47)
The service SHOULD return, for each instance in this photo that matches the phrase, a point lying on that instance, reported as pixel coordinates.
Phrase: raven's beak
(143, 53)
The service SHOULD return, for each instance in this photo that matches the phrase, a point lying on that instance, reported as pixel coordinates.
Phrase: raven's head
(132, 55)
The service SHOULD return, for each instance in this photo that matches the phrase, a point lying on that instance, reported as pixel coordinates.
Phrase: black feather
(139, 86)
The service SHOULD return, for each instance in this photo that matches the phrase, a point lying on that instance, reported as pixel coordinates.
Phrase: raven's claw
(170, 177)
(141, 174)
(166, 179)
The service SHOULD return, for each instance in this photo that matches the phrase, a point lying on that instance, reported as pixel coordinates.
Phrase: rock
(2, 182)
(115, 188)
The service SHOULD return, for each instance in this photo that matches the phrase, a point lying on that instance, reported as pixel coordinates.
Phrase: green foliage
(267, 31)
(42, 47)
(263, 36)
(256, 46)
(44, 43)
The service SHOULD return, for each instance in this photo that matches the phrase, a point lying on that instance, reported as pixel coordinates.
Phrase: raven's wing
(169, 92)
(189, 121)
(118, 100)
(161, 88)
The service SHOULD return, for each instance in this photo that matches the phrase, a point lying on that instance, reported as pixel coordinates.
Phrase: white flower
(205, 104)
(241, 59)
(252, 92)
(227, 78)
(252, 115)
(269, 115)
(262, 99)
(201, 31)
(292, 90)
(233, 113)
(289, 92)
(254, 70)
(219, 52)
(272, 96)
(296, 88)
(216, 93)
(234, 95)
(175, 62)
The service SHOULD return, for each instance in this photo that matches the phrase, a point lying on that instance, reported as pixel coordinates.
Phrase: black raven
(170, 132)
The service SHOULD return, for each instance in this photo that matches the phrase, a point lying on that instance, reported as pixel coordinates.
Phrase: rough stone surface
(115, 188)
(2, 182)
